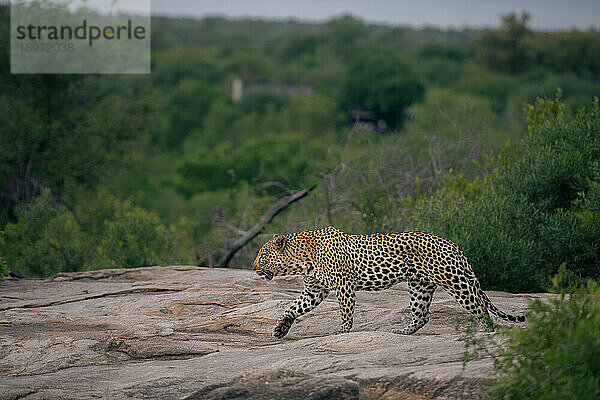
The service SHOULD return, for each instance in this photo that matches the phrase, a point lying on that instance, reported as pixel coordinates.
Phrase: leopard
(330, 259)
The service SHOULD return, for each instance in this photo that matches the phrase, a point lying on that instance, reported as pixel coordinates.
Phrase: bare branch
(278, 184)
(224, 224)
(234, 246)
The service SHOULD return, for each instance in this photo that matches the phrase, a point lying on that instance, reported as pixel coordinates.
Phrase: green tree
(502, 50)
(187, 104)
(57, 132)
(345, 33)
(515, 48)
(383, 84)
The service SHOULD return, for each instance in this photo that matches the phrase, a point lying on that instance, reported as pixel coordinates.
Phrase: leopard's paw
(283, 327)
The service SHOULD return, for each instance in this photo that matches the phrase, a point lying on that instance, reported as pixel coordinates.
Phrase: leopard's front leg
(346, 296)
(312, 295)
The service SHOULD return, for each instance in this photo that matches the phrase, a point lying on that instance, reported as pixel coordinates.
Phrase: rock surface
(196, 333)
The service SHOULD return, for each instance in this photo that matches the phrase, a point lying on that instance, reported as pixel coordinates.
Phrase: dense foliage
(537, 208)
(49, 238)
(102, 171)
(516, 48)
(3, 269)
(556, 355)
(383, 84)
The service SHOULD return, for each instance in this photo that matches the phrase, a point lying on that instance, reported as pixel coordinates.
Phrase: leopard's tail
(495, 310)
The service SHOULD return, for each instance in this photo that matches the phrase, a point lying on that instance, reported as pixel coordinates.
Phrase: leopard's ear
(275, 235)
(279, 241)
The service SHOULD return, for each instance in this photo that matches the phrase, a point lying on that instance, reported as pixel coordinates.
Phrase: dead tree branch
(280, 185)
(219, 220)
(237, 244)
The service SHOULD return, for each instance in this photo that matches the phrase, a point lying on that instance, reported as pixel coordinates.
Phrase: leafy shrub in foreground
(556, 356)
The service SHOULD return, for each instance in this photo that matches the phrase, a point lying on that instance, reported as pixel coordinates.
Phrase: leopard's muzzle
(266, 273)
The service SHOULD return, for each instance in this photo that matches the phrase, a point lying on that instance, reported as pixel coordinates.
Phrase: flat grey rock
(188, 332)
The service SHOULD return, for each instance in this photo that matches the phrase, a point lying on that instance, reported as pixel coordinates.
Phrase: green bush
(485, 83)
(135, 237)
(440, 71)
(3, 268)
(576, 90)
(556, 355)
(536, 210)
(48, 238)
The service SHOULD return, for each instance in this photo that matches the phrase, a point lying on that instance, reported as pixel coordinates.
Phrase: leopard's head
(285, 255)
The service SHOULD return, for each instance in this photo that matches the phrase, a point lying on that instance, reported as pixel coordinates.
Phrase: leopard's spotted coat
(330, 259)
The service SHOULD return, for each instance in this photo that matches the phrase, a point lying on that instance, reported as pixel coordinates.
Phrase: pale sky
(546, 14)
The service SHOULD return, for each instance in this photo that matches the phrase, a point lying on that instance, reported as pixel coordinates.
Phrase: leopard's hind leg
(467, 295)
(421, 293)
